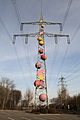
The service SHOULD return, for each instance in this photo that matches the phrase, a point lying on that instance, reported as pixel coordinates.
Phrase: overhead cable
(2, 23)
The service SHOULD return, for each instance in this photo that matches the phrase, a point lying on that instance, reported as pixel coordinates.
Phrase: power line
(2, 23)
(73, 78)
(64, 20)
(19, 21)
(41, 9)
(74, 66)
(28, 60)
(76, 31)
(72, 73)
(62, 63)
(55, 56)
(67, 11)
(17, 11)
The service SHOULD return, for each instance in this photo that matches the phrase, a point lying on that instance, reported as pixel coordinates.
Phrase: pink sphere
(42, 97)
(38, 65)
(41, 33)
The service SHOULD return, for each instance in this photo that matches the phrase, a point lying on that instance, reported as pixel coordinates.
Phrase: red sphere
(41, 51)
(43, 57)
(42, 97)
(38, 65)
(37, 83)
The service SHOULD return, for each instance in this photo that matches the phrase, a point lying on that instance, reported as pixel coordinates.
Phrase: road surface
(20, 115)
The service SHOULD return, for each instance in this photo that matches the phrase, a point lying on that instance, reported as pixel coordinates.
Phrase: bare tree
(28, 97)
(5, 86)
(13, 99)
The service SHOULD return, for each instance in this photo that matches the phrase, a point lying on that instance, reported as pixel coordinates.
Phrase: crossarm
(57, 35)
(39, 23)
(24, 35)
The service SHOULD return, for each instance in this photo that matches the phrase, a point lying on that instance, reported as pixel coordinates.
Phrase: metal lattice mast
(63, 90)
(40, 83)
(41, 95)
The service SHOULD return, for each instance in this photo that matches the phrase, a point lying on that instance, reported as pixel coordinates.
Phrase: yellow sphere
(41, 42)
(41, 20)
(41, 77)
(39, 38)
(42, 25)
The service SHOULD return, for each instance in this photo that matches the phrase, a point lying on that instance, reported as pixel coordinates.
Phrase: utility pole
(63, 90)
(41, 92)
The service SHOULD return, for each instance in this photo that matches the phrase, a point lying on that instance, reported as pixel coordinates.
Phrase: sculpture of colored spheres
(38, 65)
(42, 97)
(43, 57)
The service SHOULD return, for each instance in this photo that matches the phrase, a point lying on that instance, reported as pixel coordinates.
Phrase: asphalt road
(20, 115)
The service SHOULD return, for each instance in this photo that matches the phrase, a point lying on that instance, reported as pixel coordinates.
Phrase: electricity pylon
(63, 90)
(41, 94)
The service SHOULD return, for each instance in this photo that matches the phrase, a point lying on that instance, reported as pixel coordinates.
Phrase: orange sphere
(41, 51)
(39, 38)
(43, 57)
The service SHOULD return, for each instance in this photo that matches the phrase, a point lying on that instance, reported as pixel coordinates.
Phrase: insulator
(14, 39)
(68, 40)
(21, 26)
(61, 28)
(56, 40)
(26, 40)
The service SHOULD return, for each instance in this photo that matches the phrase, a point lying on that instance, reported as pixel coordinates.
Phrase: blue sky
(18, 62)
